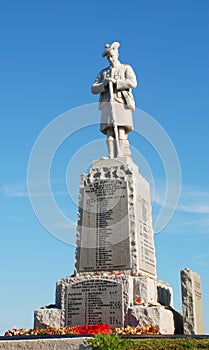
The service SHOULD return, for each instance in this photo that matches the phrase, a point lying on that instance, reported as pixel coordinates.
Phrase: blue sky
(50, 55)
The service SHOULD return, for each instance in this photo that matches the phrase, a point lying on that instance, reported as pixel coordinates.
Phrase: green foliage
(187, 343)
(109, 342)
(114, 342)
(204, 344)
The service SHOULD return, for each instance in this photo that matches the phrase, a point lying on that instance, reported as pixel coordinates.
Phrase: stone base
(117, 299)
(47, 317)
(158, 316)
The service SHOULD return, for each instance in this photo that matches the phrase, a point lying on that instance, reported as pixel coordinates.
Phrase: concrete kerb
(76, 343)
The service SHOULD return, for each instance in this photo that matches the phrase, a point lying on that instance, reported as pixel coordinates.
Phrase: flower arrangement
(86, 329)
(107, 273)
(138, 330)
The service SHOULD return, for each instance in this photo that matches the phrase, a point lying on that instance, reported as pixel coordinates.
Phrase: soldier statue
(115, 84)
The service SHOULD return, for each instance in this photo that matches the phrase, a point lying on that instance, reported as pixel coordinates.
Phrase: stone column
(115, 220)
(192, 302)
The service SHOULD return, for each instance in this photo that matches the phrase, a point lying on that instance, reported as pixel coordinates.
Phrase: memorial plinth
(115, 279)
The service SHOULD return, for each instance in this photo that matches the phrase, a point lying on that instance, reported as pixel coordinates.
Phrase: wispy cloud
(190, 214)
(194, 208)
(17, 218)
(200, 259)
(17, 190)
(199, 221)
(192, 200)
(14, 190)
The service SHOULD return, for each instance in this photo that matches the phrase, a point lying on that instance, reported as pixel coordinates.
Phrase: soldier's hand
(112, 80)
(107, 80)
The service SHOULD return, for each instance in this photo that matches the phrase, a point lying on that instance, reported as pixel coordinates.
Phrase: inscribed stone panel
(104, 230)
(95, 301)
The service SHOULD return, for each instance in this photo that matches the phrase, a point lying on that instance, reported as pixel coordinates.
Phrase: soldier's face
(113, 59)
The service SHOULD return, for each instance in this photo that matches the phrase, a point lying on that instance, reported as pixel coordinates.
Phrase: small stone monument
(115, 280)
(193, 321)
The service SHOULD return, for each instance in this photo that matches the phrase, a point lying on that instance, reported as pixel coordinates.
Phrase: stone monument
(193, 321)
(115, 280)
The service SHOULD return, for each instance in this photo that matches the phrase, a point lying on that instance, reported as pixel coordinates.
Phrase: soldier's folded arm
(99, 85)
(129, 82)
(98, 88)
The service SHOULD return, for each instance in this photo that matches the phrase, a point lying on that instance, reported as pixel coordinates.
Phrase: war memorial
(115, 280)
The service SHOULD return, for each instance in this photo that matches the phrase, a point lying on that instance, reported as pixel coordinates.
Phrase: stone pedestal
(193, 320)
(115, 220)
(115, 278)
(115, 298)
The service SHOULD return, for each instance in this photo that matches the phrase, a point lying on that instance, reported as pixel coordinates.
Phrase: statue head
(111, 51)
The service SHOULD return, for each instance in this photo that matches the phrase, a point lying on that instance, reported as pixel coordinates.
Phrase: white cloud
(14, 190)
(194, 208)
(200, 259)
(191, 213)
(192, 200)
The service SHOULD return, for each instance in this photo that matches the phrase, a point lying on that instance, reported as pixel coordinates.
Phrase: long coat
(122, 93)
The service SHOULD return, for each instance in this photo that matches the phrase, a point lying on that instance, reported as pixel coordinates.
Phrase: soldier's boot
(125, 148)
(111, 148)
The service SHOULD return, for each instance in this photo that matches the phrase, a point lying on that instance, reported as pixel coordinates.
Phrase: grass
(114, 342)
(171, 344)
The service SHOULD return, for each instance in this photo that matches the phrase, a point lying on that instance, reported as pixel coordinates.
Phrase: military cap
(108, 48)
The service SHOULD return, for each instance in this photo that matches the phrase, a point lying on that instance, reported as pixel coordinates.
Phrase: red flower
(137, 301)
(92, 329)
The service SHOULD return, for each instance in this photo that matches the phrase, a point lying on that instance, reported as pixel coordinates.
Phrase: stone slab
(50, 317)
(91, 299)
(127, 161)
(105, 226)
(95, 301)
(146, 248)
(145, 289)
(193, 318)
(45, 344)
(140, 316)
(164, 294)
